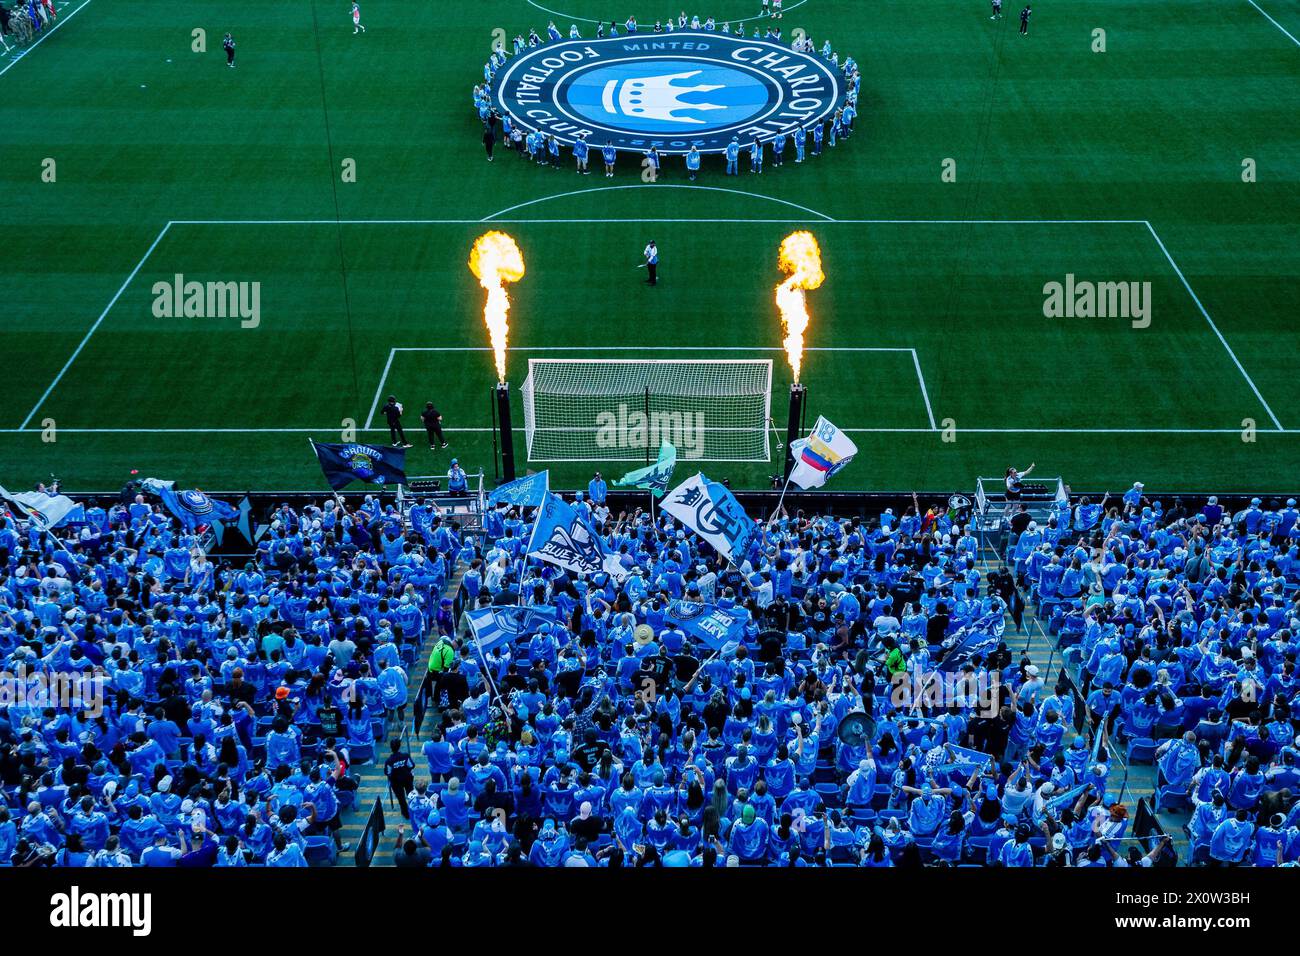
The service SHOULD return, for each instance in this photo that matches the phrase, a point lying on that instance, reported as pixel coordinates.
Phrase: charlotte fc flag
(653, 478)
(351, 461)
(527, 492)
(562, 535)
(712, 625)
(712, 512)
(820, 455)
(45, 511)
(495, 626)
(194, 508)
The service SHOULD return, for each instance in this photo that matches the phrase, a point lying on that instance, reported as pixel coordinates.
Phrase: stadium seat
(320, 851)
(1140, 750)
(830, 794)
(1173, 799)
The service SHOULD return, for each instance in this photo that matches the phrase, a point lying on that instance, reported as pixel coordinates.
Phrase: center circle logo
(671, 92)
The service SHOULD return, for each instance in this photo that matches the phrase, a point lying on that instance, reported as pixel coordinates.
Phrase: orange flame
(802, 258)
(496, 260)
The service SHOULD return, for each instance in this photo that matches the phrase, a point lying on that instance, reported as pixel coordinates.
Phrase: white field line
(63, 18)
(112, 302)
(1214, 328)
(1274, 22)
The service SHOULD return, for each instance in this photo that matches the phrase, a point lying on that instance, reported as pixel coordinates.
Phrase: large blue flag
(562, 535)
(193, 508)
(712, 512)
(527, 492)
(497, 625)
(352, 461)
(712, 625)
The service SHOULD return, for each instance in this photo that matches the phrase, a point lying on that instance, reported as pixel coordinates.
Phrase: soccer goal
(620, 410)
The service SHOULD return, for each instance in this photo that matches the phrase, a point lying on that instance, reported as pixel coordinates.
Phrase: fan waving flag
(351, 461)
(194, 508)
(711, 625)
(45, 511)
(712, 512)
(527, 492)
(653, 478)
(820, 455)
(495, 626)
(562, 535)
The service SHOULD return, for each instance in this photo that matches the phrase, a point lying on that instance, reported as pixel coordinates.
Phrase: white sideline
(63, 18)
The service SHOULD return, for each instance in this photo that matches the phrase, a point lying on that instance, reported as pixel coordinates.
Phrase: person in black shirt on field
(399, 768)
(432, 419)
(393, 413)
(229, 44)
(1024, 22)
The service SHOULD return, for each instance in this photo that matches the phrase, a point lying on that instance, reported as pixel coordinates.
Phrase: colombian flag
(820, 455)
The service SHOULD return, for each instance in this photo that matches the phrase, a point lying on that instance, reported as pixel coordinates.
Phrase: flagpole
(780, 501)
(487, 673)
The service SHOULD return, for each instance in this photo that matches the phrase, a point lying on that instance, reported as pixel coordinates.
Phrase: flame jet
(801, 257)
(496, 260)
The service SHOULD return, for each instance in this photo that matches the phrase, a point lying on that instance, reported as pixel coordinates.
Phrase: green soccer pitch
(928, 341)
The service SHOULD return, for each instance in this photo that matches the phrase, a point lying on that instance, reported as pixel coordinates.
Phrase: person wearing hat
(748, 839)
(457, 480)
(1133, 499)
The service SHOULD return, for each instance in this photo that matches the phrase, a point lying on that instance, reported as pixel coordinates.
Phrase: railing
(369, 842)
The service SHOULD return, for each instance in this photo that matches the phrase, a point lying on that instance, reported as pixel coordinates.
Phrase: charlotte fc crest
(671, 91)
(361, 461)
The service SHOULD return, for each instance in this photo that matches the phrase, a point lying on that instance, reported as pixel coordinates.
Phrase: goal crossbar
(621, 409)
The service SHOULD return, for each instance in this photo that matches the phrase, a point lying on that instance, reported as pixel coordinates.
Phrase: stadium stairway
(1136, 780)
(373, 784)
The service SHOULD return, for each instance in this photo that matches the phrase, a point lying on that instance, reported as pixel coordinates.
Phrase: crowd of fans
(873, 713)
(613, 739)
(159, 709)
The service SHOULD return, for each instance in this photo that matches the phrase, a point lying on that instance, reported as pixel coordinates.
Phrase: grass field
(1124, 165)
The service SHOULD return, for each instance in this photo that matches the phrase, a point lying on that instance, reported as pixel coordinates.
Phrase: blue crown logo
(656, 98)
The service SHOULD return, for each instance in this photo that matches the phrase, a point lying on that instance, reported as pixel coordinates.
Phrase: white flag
(820, 455)
(46, 511)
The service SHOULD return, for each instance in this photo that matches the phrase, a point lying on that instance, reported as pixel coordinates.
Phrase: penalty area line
(1270, 20)
(1213, 328)
(108, 308)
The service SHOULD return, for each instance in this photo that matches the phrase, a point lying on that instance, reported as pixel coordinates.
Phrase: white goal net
(620, 410)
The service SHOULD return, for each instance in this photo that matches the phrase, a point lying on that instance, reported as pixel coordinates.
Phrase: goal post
(621, 409)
